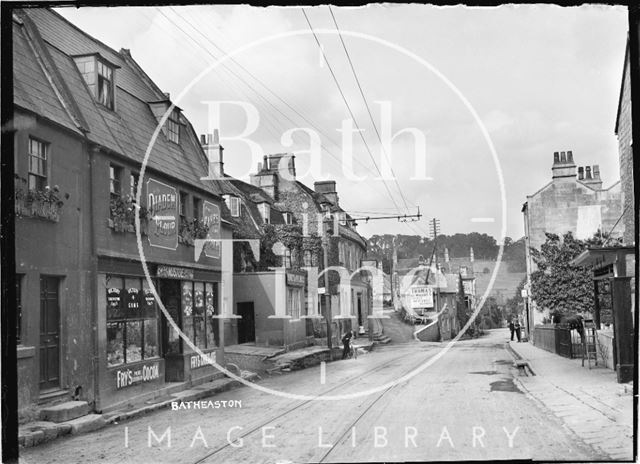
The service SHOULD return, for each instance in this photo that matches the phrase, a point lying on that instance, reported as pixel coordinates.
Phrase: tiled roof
(127, 130)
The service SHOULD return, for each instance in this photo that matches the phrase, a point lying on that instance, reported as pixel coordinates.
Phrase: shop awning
(603, 257)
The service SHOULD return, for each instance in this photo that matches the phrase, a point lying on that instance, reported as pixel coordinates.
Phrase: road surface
(465, 405)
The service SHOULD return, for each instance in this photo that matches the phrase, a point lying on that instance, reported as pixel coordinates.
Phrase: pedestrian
(517, 329)
(346, 340)
(512, 328)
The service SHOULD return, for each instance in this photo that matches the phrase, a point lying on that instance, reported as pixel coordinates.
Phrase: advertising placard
(421, 296)
(211, 218)
(162, 202)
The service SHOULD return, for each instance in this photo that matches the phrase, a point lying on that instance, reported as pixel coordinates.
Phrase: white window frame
(173, 127)
(265, 212)
(42, 160)
(234, 206)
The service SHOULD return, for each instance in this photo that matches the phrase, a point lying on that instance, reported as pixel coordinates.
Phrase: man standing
(512, 328)
(517, 328)
(346, 340)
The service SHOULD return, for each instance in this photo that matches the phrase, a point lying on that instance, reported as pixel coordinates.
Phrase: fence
(554, 339)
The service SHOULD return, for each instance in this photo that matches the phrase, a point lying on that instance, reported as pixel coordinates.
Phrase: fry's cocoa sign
(137, 374)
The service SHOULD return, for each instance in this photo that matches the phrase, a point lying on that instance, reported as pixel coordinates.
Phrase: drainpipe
(93, 273)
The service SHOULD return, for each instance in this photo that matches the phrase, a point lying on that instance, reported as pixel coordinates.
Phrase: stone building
(89, 322)
(319, 212)
(573, 202)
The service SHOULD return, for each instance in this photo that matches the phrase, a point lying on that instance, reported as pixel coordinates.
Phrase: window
(286, 258)
(199, 304)
(38, 155)
(234, 205)
(265, 212)
(132, 324)
(173, 127)
(115, 180)
(294, 302)
(197, 208)
(288, 218)
(134, 178)
(183, 207)
(19, 308)
(105, 85)
(99, 77)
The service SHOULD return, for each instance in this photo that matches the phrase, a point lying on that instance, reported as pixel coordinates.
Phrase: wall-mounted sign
(162, 202)
(172, 272)
(468, 287)
(198, 361)
(139, 374)
(133, 299)
(295, 279)
(114, 302)
(421, 296)
(211, 218)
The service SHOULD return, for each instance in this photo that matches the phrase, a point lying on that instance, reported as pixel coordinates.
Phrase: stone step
(64, 411)
(86, 424)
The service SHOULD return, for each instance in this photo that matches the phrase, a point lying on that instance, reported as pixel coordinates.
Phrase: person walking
(346, 340)
(512, 328)
(517, 329)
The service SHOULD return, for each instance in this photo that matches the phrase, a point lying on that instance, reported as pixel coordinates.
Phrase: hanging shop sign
(172, 272)
(211, 218)
(162, 202)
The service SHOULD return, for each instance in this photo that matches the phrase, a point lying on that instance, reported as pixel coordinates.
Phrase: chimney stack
(328, 189)
(564, 168)
(580, 173)
(596, 172)
(592, 177)
(213, 150)
(588, 173)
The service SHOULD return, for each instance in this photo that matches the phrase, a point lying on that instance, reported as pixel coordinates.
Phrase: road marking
(323, 372)
(483, 219)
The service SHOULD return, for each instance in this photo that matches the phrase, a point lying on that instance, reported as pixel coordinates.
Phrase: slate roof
(126, 131)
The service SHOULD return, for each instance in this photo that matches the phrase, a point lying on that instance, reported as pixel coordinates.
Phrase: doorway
(169, 292)
(247, 323)
(359, 309)
(49, 333)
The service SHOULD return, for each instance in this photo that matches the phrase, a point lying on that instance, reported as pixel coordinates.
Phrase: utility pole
(327, 295)
(435, 228)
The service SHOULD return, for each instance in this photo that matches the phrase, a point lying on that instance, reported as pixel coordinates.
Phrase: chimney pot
(570, 156)
(596, 171)
(203, 139)
(563, 157)
(580, 173)
(588, 173)
(556, 157)
(216, 137)
(167, 95)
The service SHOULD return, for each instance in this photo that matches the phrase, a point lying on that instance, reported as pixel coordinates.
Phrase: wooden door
(246, 325)
(49, 333)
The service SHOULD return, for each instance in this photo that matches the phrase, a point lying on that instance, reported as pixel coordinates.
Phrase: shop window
(38, 158)
(132, 323)
(199, 301)
(294, 302)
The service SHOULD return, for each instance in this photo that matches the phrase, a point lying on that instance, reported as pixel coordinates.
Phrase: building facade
(572, 202)
(90, 295)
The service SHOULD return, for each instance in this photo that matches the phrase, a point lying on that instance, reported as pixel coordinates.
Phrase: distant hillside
(505, 284)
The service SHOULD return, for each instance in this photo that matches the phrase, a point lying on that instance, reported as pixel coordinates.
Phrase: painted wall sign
(147, 372)
(196, 361)
(133, 299)
(295, 279)
(172, 272)
(211, 217)
(421, 296)
(162, 202)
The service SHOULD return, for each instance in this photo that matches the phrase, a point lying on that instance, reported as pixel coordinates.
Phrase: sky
(454, 97)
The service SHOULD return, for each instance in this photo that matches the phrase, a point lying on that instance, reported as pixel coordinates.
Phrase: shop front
(141, 349)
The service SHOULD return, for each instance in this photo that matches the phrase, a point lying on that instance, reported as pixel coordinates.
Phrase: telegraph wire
(335, 79)
(255, 78)
(366, 104)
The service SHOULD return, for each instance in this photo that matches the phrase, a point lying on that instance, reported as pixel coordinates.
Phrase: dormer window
(99, 75)
(288, 217)
(233, 203)
(265, 212)
(173, 126)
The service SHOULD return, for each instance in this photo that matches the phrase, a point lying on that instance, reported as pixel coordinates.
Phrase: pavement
(589, 401)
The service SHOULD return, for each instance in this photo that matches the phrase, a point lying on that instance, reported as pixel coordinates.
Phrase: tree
(515, 304)
(558, 285)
